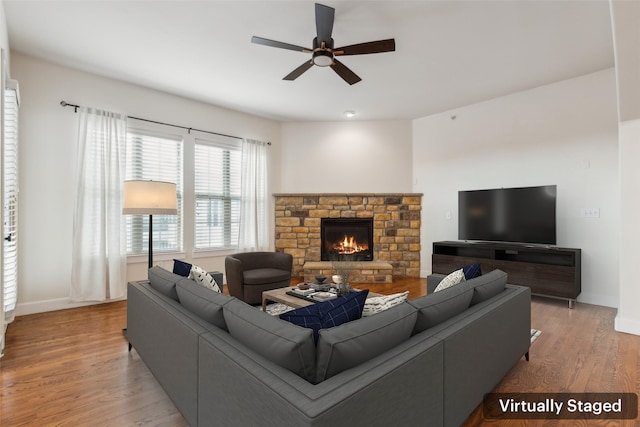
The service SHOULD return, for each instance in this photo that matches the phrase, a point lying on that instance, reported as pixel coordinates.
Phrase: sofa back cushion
(164, 281)
(203, 302)
(440, 306)
(353, 343)
(488, 285)
(283, 343)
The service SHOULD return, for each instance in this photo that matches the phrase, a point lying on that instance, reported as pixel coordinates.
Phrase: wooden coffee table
(280, 295)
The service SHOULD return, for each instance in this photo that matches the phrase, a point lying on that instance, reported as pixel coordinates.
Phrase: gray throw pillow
(203, 302)
(439, 306)
(353, 343)
(281, 342)
(164, 281)
(488, 285)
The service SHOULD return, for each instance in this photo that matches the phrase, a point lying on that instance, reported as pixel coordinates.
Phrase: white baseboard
(23, 309)
(629, 326)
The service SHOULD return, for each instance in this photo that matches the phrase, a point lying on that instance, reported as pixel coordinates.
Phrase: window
(158, 157)
(10, 215)
(217, 193)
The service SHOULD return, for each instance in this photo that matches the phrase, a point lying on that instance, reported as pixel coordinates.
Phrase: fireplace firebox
(346, 239)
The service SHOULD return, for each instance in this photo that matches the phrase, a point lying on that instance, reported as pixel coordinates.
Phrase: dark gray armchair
(251, 273)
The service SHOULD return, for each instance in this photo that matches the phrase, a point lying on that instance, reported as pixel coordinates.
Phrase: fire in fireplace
(346, 239)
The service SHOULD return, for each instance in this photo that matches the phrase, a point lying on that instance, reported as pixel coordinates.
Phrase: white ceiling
(448, 53)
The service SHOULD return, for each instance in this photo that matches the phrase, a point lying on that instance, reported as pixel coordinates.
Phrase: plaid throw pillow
(328, 314)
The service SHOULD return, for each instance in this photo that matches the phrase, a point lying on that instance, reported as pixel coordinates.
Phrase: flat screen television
(519, 215)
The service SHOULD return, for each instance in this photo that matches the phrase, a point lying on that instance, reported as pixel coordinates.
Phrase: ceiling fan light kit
(322, 58)
(323, 54)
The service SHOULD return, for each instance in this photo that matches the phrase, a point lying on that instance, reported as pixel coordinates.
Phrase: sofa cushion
(488, 285)
(375, 305)
(353, 343)
(328, 314)
(451, 280)
(283, 343)
(164, 281)
(181, 268)
(440, 306)
(203, 302)
(260, 276)
(472, 271)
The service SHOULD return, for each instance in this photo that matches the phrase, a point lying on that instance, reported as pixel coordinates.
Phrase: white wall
(350, 157)
(628, 318)
(624, 18)
(563, 134)
(47, 162)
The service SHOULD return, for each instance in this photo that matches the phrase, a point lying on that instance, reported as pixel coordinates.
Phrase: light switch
(591, 212)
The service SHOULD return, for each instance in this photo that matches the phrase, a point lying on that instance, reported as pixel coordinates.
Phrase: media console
(548, 271)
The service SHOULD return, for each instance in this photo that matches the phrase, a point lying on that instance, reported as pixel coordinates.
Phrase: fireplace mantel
(396, 218)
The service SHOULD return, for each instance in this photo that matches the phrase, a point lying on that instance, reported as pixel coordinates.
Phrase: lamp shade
(149, 198)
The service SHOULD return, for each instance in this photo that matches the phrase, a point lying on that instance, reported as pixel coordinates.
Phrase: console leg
(571, 302)
(526, 356)
(130, 347)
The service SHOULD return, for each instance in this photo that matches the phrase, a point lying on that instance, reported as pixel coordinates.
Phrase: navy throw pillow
(328, 314)
(181, 268)
(471, 271)
(307, 317)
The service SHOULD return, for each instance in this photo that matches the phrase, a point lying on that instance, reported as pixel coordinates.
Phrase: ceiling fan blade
(281, 45)
(378, 46)
(344, 72)
(298, 71)
(324, 23)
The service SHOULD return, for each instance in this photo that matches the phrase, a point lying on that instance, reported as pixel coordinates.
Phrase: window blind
(217, 193)
(157, 157)
(10, 161)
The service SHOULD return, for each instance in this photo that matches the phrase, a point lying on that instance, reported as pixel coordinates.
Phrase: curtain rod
(75, 108)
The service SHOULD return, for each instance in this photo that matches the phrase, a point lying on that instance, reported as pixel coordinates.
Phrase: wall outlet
(590, 212)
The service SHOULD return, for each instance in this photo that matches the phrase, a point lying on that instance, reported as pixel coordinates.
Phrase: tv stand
(549, 271)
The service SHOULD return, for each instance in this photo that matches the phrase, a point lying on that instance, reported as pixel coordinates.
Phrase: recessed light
(349, 113)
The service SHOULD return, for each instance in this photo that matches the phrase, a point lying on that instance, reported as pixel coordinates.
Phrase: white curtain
(99, 240)
(253, 234)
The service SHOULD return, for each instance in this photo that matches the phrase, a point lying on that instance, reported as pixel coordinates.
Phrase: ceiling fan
(323, 53)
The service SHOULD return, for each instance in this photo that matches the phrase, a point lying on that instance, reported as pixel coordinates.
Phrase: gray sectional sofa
(425, 362)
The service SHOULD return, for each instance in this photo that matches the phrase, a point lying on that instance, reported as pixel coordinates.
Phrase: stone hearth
(396, 234)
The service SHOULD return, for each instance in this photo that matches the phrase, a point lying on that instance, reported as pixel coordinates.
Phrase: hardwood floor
(72, 367)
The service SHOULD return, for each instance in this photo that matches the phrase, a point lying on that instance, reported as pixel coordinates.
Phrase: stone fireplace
(395, 219)
(346, 239)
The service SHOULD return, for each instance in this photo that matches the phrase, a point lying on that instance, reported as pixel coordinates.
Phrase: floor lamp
(149, 198)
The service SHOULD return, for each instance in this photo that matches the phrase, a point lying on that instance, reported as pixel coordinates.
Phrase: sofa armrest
(433, 280)
(166, 338)
(403, 386)
(482, 345)
(218, 277)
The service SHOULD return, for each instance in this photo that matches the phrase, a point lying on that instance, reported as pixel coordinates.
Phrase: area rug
(534, 335)
(276, 309)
